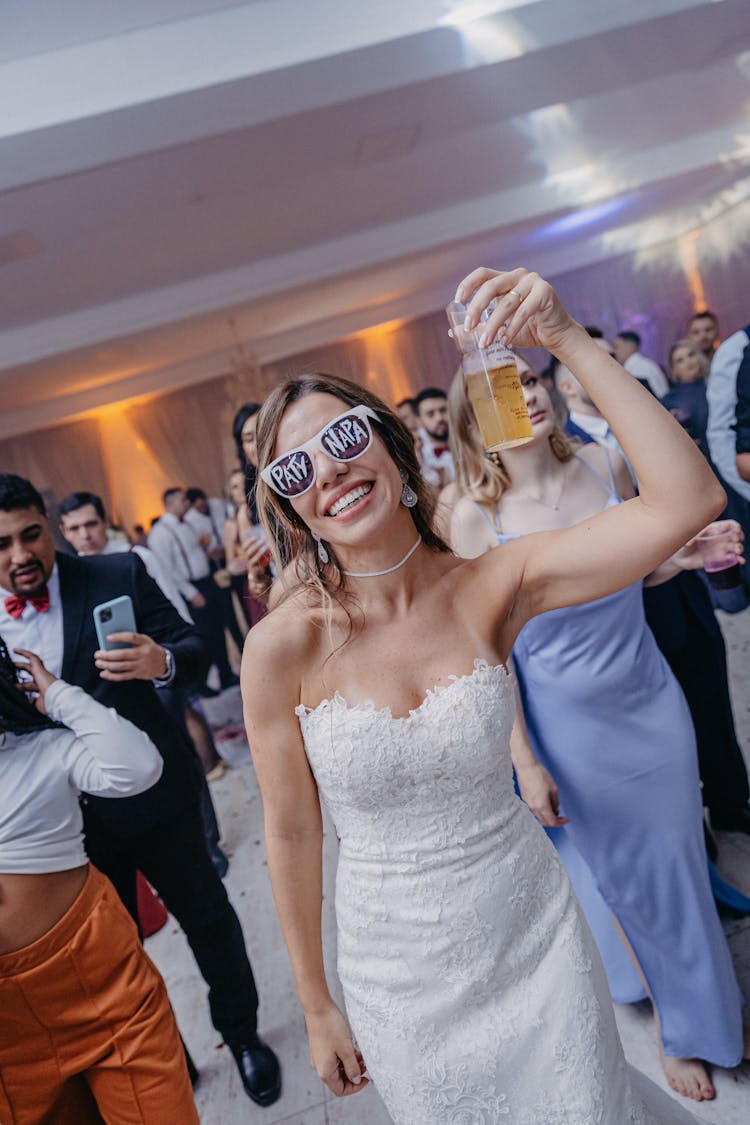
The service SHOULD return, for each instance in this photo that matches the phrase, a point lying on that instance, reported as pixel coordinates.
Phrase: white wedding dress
(472, 984)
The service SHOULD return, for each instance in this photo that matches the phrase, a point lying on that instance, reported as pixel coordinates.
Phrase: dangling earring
(322, 553)
(409, 497)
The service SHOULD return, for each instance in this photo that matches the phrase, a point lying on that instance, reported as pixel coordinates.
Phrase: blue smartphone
(116, 616)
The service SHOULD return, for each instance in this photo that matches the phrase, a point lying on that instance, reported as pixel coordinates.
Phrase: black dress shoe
(732, 820)
(259, 1070)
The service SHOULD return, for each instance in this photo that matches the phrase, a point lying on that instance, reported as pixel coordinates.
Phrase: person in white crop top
(78, 995)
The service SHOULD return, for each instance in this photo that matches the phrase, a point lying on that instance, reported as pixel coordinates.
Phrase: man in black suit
(46, 605)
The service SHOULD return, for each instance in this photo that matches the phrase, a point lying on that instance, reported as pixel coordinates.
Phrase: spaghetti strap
(494, 524)
(611, 488)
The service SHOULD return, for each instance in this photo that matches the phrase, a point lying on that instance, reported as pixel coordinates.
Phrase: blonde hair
(288, 533)
(483, 476)
(705, 363)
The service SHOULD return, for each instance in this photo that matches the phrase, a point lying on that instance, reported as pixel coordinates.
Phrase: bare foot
(688, 1077)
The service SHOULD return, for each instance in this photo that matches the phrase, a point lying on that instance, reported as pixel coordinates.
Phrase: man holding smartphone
(46, 605)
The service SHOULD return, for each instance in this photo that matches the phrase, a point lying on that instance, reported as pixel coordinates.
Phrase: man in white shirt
(584, 419)
(627, 352)
(703, 331)
(178, 548)
(435, 452)
(207, 517)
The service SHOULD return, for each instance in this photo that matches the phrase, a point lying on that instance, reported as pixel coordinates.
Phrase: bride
(473, 988)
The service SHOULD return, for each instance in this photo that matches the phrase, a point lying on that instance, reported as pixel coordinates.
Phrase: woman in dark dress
(686, 400)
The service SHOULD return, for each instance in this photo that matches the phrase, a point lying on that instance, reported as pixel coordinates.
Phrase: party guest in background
(86, 1030)
(610, 725)
(628, 353)
(250, 541)
(160, 832)
(686, 399)
(434, 450)
(703, 330)
(179, 550)
(207, 517)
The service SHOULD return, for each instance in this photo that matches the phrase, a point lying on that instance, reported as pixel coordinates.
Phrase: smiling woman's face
(686, 364)
(350, 502)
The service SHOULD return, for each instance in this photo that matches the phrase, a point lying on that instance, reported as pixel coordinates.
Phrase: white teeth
(348, 499)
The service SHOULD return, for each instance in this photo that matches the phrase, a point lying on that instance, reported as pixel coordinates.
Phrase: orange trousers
(86, 1030)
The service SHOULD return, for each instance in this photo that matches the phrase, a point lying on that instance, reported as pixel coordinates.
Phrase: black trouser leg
(118, 864)
(174, 858)
(210, 624)
(229, 617)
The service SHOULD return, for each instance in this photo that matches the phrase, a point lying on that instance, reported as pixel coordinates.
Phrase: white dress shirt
(722, 409)
(211, 525)
(649, 372)
(43, 772)
(41, 633)
(437, 468)
(177, 548)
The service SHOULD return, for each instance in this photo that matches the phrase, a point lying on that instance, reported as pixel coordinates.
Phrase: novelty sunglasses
(344, 438)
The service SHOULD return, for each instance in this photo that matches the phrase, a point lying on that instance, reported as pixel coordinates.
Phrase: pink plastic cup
(719, 559)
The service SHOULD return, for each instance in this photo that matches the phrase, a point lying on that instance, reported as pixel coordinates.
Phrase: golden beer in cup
(493, 386)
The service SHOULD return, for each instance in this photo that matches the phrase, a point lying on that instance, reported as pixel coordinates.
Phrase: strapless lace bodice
(472, 984)
(434, 778)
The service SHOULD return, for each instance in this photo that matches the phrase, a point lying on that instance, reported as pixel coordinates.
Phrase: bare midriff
(30, 905)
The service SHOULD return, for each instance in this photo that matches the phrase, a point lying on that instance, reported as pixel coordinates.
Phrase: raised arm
(294, 841)
(679, 494)
(109, 755)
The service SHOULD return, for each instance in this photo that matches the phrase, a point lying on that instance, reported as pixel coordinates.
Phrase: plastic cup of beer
(492, 384)
(715, 546)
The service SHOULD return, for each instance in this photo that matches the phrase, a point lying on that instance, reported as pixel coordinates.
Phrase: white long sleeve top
(43, 772)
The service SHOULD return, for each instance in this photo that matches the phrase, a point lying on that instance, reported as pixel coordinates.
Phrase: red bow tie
(16, 604)
(438, 450)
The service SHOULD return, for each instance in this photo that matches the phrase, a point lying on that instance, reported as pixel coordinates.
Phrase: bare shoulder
(281, 634)
(471, 530)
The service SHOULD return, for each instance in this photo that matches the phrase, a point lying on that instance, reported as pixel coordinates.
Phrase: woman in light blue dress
(614, 744)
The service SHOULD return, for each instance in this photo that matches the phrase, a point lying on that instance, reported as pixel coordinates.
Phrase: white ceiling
(174, 171)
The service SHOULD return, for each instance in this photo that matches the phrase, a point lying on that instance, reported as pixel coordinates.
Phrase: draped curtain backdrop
(129, 453)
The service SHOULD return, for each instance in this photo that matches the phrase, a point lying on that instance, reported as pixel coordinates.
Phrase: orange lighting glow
(688, 253)
(386, 372)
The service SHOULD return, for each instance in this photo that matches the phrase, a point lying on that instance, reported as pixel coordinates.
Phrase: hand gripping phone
(116, 616)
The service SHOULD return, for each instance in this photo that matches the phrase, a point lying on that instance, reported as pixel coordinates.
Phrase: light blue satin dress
(609, 721)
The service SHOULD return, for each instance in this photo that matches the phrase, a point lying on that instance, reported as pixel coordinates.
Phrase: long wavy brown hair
(482, 476)
(288, 533)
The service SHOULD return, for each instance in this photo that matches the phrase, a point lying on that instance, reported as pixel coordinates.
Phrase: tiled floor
(219, 1095)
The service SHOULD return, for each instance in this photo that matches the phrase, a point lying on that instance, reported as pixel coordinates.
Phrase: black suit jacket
(84, 583)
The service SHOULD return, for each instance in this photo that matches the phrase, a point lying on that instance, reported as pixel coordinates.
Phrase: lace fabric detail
(472, 983)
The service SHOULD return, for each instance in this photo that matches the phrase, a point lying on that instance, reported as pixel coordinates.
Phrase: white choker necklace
(390, 570)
